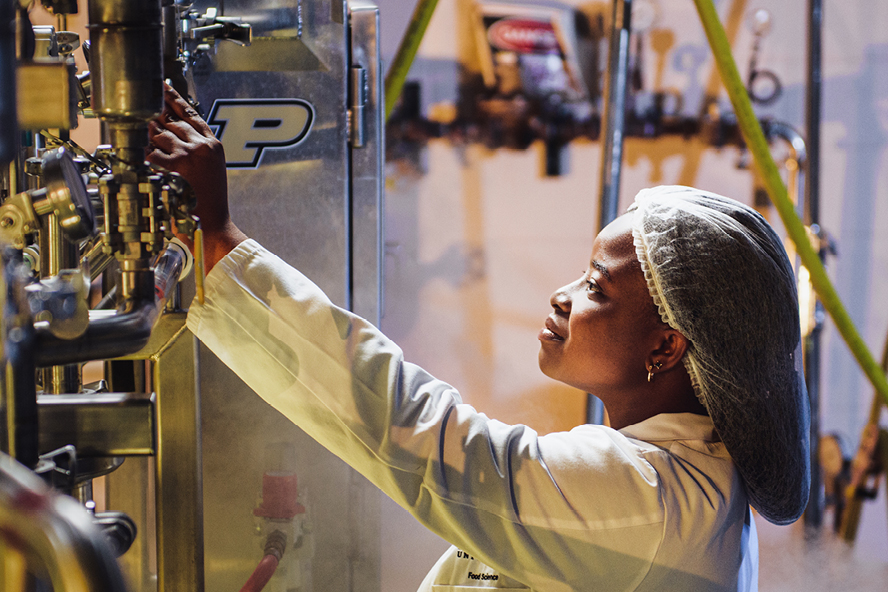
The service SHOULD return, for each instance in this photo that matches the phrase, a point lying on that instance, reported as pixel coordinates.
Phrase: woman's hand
(181, 141)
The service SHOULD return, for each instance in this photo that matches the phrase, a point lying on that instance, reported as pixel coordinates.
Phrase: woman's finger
(162, 137)
(160, 158)
(183, 130)
(181, 110)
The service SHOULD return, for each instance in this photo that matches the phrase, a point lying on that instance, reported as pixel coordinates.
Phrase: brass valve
(64, 195)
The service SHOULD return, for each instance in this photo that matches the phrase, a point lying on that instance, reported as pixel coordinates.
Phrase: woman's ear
(669, 351)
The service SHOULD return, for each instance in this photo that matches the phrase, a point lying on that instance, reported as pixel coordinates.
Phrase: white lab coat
(657, 506)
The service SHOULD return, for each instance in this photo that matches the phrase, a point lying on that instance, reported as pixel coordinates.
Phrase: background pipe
(616, 87)
(615, 90)
(758, 146)
(814, 512)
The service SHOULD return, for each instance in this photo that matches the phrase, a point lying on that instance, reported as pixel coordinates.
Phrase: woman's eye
(592, 286)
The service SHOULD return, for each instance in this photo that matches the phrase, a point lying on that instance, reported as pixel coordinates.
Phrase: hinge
(357, 93)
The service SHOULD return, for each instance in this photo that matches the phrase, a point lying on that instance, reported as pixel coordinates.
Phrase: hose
(261, 574)
(758, 147)
(275, 545)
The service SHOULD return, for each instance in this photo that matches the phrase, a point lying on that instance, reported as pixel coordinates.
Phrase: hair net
(720, 276)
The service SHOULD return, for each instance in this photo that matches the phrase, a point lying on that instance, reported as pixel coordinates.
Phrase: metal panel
(171, 518)
(316, 204)
(107, 424)
(296, 201)
(178, 477)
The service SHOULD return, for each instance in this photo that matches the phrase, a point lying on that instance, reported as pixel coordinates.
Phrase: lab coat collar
(673, 426)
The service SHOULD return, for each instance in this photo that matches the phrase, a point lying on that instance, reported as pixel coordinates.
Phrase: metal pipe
(57, 253)
(127, 92)
(400, 66)
(124, 333)
(109, 337)
(814, 512)
(758, 147)
(126, 67)
(8, 117)
(20, 389)
(615, 91)
(96, 259)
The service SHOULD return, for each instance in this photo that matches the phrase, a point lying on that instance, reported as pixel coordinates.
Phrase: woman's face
(604, 324)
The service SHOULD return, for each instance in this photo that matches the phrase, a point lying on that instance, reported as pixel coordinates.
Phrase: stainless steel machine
(197, 478)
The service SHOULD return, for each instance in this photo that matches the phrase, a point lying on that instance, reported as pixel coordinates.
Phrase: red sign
(523, 36)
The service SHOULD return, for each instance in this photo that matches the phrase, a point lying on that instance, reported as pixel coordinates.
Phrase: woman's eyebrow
(602, 269)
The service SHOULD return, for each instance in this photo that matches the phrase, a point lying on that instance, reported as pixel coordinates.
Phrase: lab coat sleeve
(519, 502)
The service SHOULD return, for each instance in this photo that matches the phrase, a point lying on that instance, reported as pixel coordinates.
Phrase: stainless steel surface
(96, 259)
(66, 198)
(105, 424)
(357, 99)
(314, 198)
(317, 204)
(367, 165)
(163, 494)
(296, 201)
(127, 92)
(130, 489)
(178, 478)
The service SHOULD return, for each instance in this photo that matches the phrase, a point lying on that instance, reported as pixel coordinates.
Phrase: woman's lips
(549, 332)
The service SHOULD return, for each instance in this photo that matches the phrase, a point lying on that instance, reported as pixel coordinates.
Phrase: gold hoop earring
(655, 366)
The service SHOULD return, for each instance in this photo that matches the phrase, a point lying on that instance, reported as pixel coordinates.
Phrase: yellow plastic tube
(764, 162)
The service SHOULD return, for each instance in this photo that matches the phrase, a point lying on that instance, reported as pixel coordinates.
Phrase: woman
(685, 325)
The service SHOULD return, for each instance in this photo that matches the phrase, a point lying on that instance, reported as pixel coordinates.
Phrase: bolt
(6, 222)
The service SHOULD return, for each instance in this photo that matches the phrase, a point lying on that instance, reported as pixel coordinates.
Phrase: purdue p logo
(246, 127)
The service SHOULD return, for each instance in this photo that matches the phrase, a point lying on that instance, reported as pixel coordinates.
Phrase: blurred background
(477, 238)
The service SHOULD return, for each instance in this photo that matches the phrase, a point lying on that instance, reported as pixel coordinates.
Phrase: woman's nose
(560, 299)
